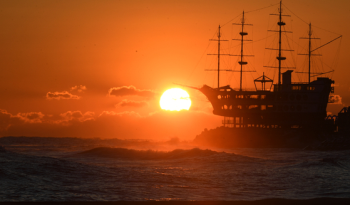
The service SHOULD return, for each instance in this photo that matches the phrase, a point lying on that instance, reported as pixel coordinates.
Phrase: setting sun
(175, 99)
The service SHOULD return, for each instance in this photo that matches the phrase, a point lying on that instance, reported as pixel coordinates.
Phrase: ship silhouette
(276, 108)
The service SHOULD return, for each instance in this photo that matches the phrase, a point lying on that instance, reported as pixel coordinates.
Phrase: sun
(175, 99)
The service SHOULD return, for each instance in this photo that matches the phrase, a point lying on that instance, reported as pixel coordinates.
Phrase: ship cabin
(285, 105)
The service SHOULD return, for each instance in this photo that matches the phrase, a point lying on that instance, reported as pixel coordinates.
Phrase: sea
(71, 169)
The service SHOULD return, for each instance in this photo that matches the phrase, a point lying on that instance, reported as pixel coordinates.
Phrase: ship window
(228, 90)
(263, 107)
(219, 96)
(252, 106)
(269, 107)
(310, 88)
(239, 107)
(263, 97)
(239, 96)
(296, 87)
(254, 96)
(230, 107)
(225, 107)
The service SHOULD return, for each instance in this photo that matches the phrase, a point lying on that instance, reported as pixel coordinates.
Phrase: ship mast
(219, 35)
(241, 62)
(309, 54)
(218, 54)
(310, 33)
(280, 58)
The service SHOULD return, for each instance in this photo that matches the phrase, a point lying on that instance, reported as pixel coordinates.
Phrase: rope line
(262, 8)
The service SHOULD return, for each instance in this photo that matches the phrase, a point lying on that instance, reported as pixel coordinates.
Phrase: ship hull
(225, 137)
(286, 106)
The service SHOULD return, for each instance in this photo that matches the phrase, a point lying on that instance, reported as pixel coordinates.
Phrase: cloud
(120, 114)
(335, 99)
(77, 116)
(131, 103)
(79, 88)
(109, 124)
(7, 119)
(130, 90)
(61, 95)
(31, 117)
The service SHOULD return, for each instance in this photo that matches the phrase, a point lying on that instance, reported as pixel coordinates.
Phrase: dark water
(69, 173)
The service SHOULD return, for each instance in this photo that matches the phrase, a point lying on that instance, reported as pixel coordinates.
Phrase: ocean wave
(336, 162)
(123, 153)
(325, 162)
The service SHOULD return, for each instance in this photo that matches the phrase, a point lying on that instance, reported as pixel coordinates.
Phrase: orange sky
(97, 68)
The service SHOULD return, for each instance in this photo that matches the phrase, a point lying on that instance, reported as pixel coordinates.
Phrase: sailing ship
(284, 104)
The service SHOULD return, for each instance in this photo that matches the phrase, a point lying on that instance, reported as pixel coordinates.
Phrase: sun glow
(175, 99)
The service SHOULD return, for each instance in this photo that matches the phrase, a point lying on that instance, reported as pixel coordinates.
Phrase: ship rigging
(285, 104)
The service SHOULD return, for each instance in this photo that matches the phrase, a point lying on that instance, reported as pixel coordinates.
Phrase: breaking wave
(123, 153)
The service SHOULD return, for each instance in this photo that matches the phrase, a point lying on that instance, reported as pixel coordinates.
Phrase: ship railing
(294, 87)
(246, 89)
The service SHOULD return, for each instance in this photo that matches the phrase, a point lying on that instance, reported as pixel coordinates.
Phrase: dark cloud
(61, 95)
(131, 103)
(131, 90)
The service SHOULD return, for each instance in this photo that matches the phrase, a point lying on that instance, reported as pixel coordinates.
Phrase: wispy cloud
(126, 114)
(79, 88)
(31, 117)
(335, 99)
(7, 119)
(130, 90)
(65, 95)
(132, 103)
(77, 116)
(108, 124)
